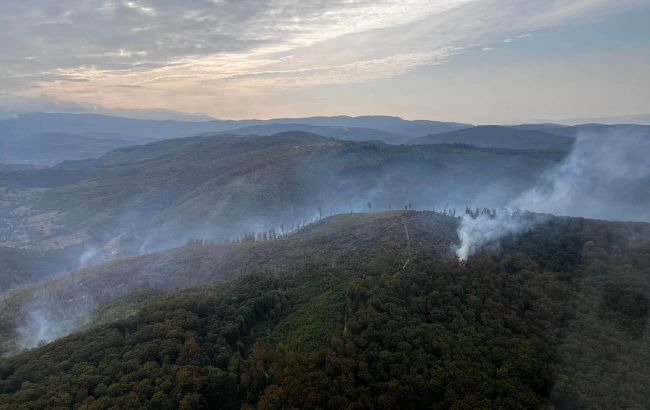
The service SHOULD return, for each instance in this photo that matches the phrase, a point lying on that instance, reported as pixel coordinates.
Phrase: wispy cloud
(142, 52)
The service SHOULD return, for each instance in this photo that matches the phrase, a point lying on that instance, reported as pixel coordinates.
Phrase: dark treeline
(490, 213)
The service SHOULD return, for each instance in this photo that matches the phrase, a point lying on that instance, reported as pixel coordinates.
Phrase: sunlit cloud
(150, 54)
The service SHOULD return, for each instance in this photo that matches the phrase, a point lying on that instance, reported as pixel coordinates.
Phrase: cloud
(156, 53)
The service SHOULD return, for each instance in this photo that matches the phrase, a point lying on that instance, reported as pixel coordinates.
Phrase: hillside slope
(159, 195)
(63, 303)
(21, 266)
(497, 136)
(368, 311)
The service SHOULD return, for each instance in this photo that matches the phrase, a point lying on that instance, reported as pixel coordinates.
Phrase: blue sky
(482, 61)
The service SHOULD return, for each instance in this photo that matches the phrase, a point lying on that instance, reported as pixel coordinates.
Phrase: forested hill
(158, 195)
(63, 303)
(369, 311)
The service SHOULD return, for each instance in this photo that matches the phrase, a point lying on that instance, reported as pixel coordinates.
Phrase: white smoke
(475, 232)
(45, 316)
(87, 257)
(606, 176)
(37, 328)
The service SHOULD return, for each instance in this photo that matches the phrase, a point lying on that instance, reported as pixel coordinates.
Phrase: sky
(480, 61)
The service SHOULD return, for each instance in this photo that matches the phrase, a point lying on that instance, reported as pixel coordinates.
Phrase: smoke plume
(478, 230)
(605, 176)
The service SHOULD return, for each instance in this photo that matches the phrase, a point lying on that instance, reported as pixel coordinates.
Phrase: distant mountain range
(338, 132)
(50, 138)
(499, 137)
(643, 119)
(137, 130)
(49, 148)
(393, 125)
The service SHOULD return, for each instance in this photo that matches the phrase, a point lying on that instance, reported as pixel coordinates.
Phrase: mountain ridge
(499, 137)
(200, 185)
(361, 308)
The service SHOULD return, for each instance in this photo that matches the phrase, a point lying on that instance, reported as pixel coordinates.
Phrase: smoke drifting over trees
(606, 176)
(263, 206)
(480, 229)
(242, 186)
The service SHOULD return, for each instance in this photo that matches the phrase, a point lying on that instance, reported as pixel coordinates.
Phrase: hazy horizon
(171, 115)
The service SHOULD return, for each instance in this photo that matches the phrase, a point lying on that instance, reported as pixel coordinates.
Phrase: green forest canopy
(557, 316)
